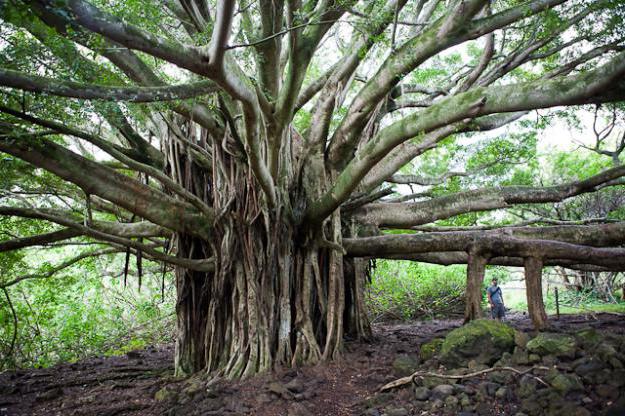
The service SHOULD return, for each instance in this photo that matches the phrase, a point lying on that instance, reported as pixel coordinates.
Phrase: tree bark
(475, 277)
(534, 291)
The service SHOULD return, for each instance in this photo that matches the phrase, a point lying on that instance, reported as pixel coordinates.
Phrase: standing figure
(495, 299)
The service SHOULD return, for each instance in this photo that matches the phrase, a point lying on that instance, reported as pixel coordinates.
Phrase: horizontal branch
(424, 212)
(38, 240)
(72, 89)
(494, 244)
(448, 258)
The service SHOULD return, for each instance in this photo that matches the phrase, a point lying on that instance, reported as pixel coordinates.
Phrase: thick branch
(495, 244)
(38, 240)
(108, 184)
(35, 83)
(423, 212)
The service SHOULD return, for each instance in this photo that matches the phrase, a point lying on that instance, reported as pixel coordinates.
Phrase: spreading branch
(73, 89)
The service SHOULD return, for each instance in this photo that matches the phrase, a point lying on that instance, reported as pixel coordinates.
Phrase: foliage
(83, 314)
(410, 290)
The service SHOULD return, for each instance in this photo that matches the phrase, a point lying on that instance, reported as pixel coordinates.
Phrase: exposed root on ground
(418, 375)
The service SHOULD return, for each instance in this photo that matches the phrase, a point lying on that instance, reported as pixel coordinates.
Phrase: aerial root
(419, 375)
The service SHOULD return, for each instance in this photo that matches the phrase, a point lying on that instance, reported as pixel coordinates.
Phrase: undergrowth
(82, 314)
(405, 290)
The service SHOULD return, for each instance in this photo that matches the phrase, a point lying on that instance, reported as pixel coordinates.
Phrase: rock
(372, 412)
(396, 411)
(504, 360)
(617, 379)
(501, 377)
(483, 408)
(50, 394)
(571, 409)
(605, 352)
(436, 404)
(527, 387)
(298, 409)
(379, 399)
(465, 401)
(520, 356)
(280, 390)
(615, 363)
(566, 383)
(559, 345)
(193, 387)
(607, 391)
(617, 408)
(488, 389)
(430, 349)
(588, 338)
(502, 393)
(422, 393)
(549, 361)
(165, 395)
(442, 391)
(451, 402)
(521, 339)
(531, 407)
(588, 368)
(295, 386)
(466, 414)
(405, 365)
(481, 340)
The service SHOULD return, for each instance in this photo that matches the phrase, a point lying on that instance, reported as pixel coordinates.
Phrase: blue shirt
(495, 294)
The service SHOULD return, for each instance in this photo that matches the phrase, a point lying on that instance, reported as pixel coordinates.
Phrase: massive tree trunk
(278, 294)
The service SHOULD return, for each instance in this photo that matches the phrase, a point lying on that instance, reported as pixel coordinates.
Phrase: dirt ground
(127, 385)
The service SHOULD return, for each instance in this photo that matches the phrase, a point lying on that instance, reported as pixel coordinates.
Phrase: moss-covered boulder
(588, 337)
(559, 345)
(565, 383)
(483, 341)
(405, 365)
(430, 349)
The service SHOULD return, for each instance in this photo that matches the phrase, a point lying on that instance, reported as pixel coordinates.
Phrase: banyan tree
(256, 147)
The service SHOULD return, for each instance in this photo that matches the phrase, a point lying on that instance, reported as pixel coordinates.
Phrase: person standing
(495, 299)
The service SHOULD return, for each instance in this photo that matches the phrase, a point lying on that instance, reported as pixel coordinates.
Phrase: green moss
(482, 340)
(430, 349)
(560, 345)
(588, 337)
(501, 334)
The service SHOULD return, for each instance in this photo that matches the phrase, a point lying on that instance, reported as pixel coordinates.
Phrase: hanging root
(419, 375)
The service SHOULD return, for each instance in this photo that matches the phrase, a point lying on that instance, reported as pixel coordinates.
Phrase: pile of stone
(572, 374)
